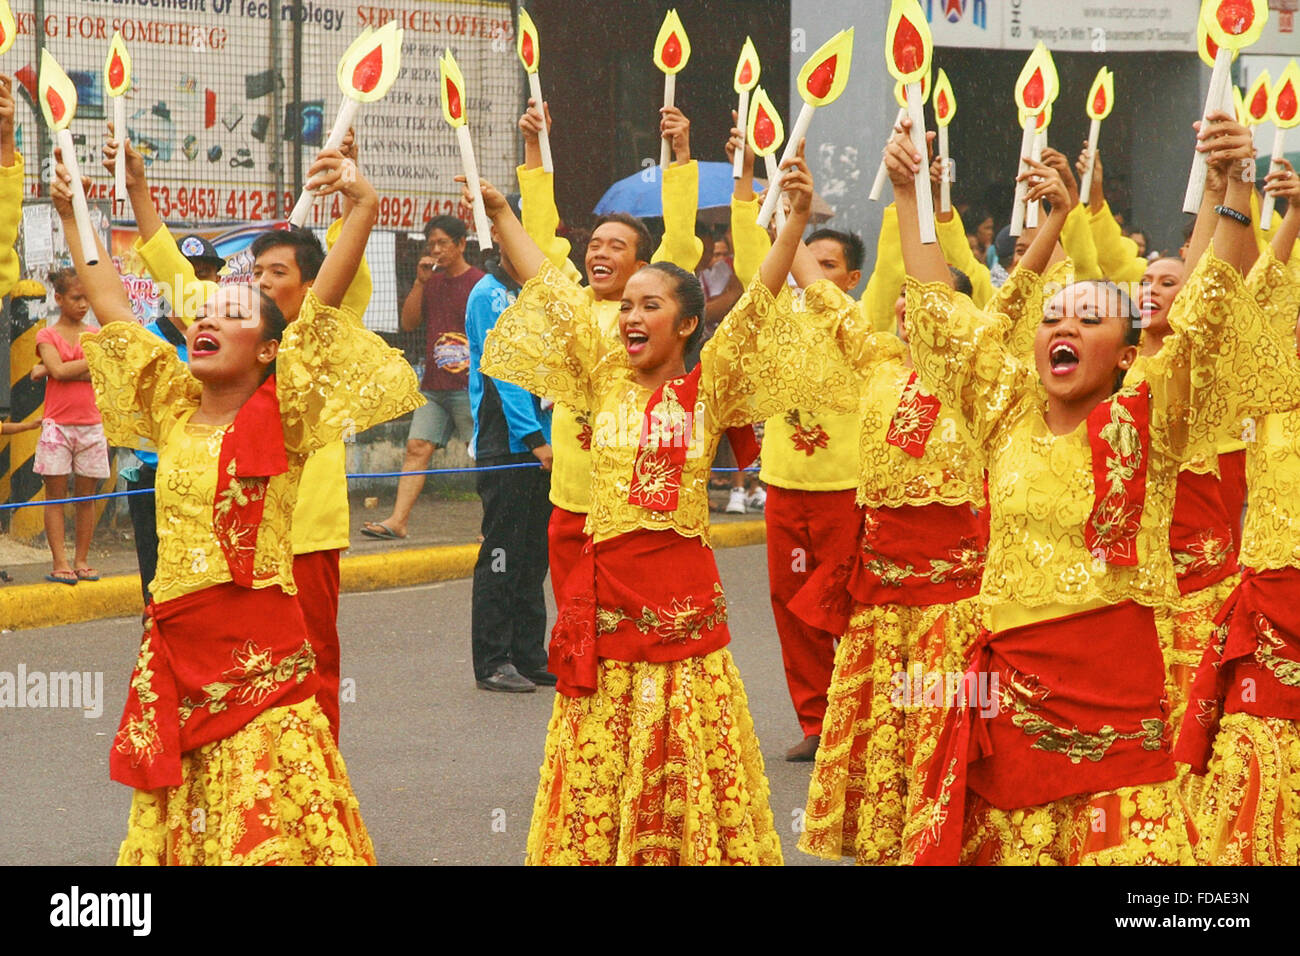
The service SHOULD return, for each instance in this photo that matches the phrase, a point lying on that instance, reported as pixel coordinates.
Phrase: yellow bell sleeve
(541, 218)
(750, 240)
(862, 347)
(886, 276)
(1117, 254)
(548, 341)
(174, 275)
(335, 378)
(1079, 245)
(1221, 363)
(963, 356)
(1020, 299)
(956, 250)
(141, 385)
(681, 200)
(771, 354)
(11, 214)
(1275, 287)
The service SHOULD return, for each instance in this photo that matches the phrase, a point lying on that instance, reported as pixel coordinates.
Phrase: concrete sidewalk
(442, 544)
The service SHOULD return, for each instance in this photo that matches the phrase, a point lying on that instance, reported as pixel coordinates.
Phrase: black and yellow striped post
(18, 482)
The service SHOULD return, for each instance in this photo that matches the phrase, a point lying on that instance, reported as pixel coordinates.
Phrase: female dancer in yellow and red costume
(1243, 719)
(651, 756)
(221, 725)
(1073, 764)
(906, 601)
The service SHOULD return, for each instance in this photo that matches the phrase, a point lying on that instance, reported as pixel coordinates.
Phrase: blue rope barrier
(361, 474)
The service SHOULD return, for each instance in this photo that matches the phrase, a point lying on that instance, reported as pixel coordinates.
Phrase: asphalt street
(445, 773)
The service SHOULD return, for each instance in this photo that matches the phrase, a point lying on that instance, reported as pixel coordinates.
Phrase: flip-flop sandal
(62, 577)
(87, 574)
(384, 533)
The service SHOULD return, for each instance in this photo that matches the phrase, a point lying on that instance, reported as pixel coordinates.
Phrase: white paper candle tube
(742, 124)
(481, 225)
(773, 174)
(773, 195)
(945, 182)
(119, 165)
(543, 138)
(1085, 189)
(924, 201)
(89, 248)
(670, 94)
(1213, 102)
(882, 174)
(1026, 147)
(342, 123)
(1033, 209)
(1266, 213)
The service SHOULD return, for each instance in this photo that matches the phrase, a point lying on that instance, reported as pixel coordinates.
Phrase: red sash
(1119, 435)
(913, 555)
(209, 663)
(1080, 708)
(252, 451)
(666, 433)
(1251, 666)
(1232, 487)
(640, 596)
(914, 419)
(1201, 535)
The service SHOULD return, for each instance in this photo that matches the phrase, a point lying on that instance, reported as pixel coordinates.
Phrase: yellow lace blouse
(333, 378)
(951, 468)
(1271, 535)
(765, 357)
(1041, 484)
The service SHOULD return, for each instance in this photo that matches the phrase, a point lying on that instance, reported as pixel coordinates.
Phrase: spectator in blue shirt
(511, 428)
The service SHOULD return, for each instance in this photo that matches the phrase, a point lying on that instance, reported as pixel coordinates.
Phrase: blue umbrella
(639, 194)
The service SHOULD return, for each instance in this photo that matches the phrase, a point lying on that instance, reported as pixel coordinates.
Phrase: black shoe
(509, 680)
(541, 678)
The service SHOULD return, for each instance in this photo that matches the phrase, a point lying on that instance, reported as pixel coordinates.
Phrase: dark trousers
(144, 523)
(508, 617)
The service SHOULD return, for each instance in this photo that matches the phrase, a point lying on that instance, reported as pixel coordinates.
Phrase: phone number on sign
(204, 204)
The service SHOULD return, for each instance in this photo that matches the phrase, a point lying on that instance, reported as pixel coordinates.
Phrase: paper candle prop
(945, 108)
(1232, 25)
(366, 71)
(765, 134)
(821, 80)
(1041, 123)
(1033, 92)
(908, 49)
(8, 28)
(453, 110)
(59, 104)
(900, 97)
(1285, 114)
(1101, 100)
(672, 50)
(117, 80)
(747, 72)
(1256, 102)
(530, 55)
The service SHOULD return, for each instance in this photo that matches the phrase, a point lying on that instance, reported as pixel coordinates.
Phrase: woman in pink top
(72, 438)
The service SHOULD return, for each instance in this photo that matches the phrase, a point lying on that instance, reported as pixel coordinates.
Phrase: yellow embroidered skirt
(660, 766)
(1248, 812)
(1147, 825)
(1185, 628)
(879, 733)
(275, 792)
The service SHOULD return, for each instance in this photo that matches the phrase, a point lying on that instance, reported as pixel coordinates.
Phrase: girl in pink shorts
(72, 438)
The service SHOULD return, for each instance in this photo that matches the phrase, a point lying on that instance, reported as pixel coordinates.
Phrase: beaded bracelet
(1233, 214)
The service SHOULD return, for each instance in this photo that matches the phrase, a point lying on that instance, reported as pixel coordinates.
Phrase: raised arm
(681, 196)
(102, 284)
(11, 189)
(516, 244)
(749, 239)
(1285, 184)
(332, 172)
(1117, 254)
(147, 220)
(796, 182)
(540, 217)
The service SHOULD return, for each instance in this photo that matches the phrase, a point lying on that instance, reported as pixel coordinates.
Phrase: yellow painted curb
(50, 604)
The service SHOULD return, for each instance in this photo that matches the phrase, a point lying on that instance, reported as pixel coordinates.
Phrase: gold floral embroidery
(138, 737)
(679, 622)
(252, 680)
(1018, 694)
(806, 438)
(1206, 553)
(1286, 670)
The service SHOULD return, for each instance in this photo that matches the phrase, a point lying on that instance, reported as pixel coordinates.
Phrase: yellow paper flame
(900, 95)
(528, 44)
(747, 55)
(825, 74)
(1288, 87)
(8, 27)
(117, 46)
(672, 27)
(1104, 85)
(916, 26)
(56, 92)
(1235, 24)
(357, 76)
(944, 100)
(1255, 98)
(761, 107)
(452, 85)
